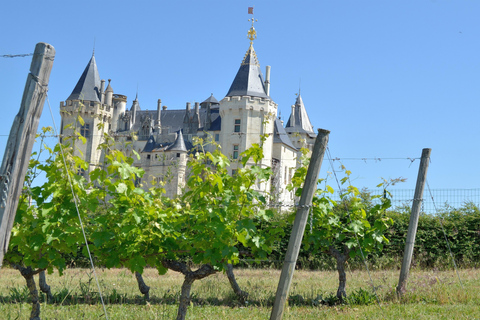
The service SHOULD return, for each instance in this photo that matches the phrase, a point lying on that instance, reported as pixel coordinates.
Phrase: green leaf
(121, 187)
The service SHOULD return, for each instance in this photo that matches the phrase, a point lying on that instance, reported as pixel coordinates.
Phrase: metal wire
(16, 55)
(446, 239)
(356, 237)
(78, 213)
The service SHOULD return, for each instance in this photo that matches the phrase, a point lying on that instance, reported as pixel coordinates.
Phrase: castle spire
(249, 79)
(88, 86)
(299, 120)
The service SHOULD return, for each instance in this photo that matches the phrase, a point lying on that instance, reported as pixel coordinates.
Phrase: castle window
(234, 172)
(178, 155)
(235, 151)
(92, 103)
(237, 125)
(148, 156)
(217, 137)
(85, 130)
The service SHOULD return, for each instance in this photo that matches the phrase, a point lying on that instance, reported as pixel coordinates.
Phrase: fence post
(20, 142)
(412, 226)
(309, 188)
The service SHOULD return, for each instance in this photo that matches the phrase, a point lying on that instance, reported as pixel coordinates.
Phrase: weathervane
(252, 34)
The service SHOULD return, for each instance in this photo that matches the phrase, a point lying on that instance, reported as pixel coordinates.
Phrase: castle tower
(247, 111)
(299, 127)
(85, 102)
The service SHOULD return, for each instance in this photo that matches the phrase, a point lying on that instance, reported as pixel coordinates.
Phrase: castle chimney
(186, 118)
(102, 92)
(267, 80)
(158, 123)
(159, 109)
(196, 117)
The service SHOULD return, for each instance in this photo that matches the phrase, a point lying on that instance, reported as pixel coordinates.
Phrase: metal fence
(434, 199)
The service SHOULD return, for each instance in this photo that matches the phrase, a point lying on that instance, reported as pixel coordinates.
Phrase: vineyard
(106, 220)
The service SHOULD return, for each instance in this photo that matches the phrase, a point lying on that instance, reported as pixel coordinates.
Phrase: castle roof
(300, 121)
(179, 144)
(249, 78)
(211, 100)
(172, 120)
(280, 135)
(88, 86)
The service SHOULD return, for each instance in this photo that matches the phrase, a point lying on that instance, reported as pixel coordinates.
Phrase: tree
(345, 229)
(203, 226)
(47, 224)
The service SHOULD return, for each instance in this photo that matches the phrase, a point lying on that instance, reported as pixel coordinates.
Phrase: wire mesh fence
(433, 199)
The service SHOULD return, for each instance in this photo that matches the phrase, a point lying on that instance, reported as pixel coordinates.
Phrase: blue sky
(386, 77)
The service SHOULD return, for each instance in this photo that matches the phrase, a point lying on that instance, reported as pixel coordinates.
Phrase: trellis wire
(16, 55)
(451, 198)
(356, 237)
(446, 239)
(78, 213)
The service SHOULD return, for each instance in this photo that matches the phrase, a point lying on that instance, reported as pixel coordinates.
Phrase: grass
(430, 295)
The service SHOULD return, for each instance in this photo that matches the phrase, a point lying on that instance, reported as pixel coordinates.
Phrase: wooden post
(20, 142)
(412, 226)
(309, 188)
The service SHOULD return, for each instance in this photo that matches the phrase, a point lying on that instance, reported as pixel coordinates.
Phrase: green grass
(430, 295)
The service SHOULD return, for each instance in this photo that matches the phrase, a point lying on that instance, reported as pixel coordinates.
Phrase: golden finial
(252, 34)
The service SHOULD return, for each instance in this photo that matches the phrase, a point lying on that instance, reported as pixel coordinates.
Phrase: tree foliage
(345, 229)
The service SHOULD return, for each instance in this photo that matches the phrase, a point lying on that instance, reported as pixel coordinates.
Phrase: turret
(108, 94)
(119, 106)
(247, 112)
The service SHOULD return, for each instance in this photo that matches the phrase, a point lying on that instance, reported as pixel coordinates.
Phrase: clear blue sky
(388, 78)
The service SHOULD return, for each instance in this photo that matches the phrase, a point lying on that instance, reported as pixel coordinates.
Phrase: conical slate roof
(249, 78)
(301, 121)
(211, 100)
(150, 145)
(179, 144)
(88, 86)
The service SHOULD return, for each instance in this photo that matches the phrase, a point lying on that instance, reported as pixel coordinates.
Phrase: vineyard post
(412, 226)
(20, 142)
(309, 188)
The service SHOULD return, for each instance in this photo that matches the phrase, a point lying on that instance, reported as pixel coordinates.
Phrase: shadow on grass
(64, 297)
